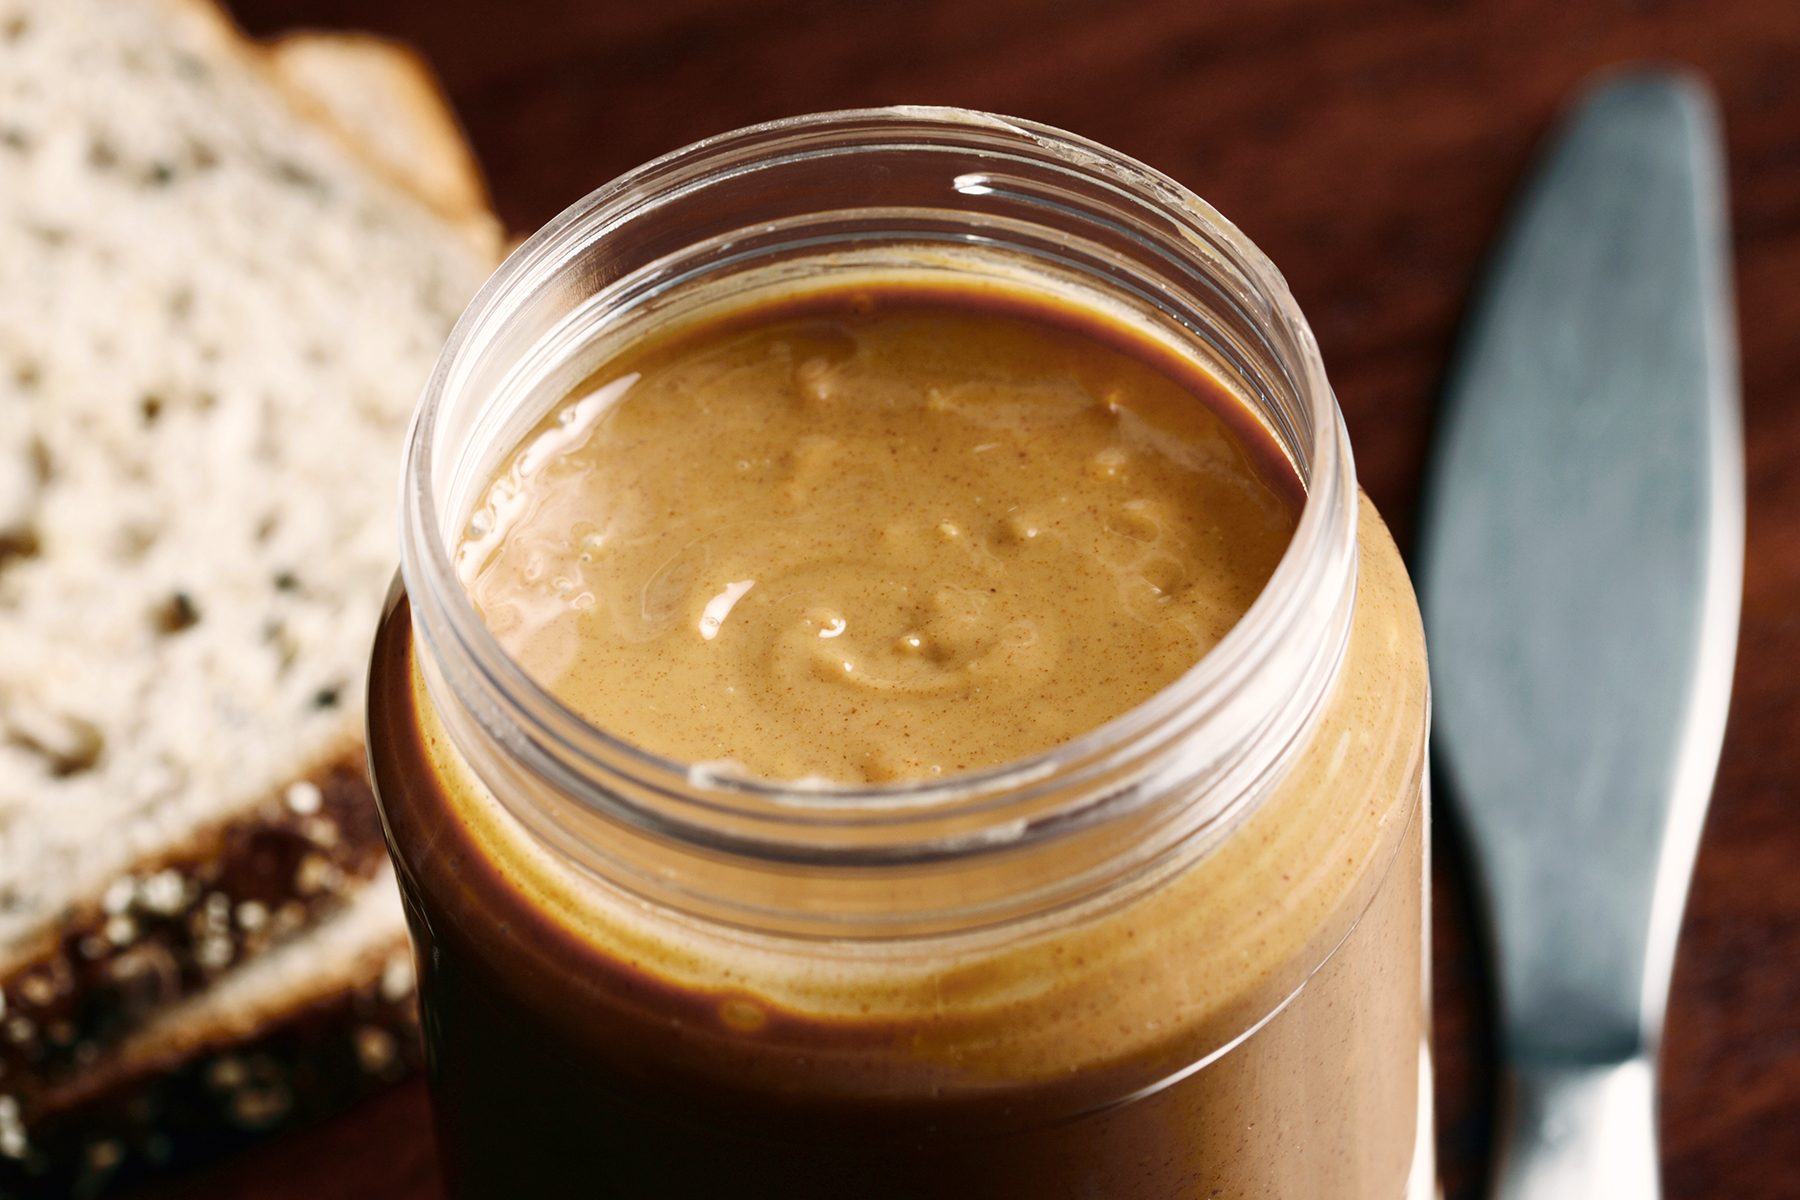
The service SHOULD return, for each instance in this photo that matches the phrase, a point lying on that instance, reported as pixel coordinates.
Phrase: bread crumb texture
(213, 326)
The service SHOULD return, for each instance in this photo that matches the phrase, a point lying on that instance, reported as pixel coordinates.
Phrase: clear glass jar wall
(1182, 953)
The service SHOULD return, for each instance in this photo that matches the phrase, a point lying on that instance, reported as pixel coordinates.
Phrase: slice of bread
(304, 1031)
(214, 319)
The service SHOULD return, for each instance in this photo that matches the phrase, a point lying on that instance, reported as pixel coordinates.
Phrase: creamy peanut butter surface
(875, 537)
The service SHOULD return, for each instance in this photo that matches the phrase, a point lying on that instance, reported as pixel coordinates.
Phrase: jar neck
(810, 202)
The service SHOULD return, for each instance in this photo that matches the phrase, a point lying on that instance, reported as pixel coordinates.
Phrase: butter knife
(1580, 568)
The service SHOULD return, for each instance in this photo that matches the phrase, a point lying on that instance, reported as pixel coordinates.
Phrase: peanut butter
(894, 543)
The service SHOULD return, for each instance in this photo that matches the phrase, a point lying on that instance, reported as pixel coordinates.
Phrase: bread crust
(338, 79)
(188, 1092)
(182, 921)
(446, 177)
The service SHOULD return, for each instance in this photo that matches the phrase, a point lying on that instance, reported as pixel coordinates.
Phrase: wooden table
(1370, 148)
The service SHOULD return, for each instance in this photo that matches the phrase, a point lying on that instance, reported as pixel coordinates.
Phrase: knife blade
(1580, 567)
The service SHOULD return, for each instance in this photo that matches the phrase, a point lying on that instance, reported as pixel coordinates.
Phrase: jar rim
(1325, 530)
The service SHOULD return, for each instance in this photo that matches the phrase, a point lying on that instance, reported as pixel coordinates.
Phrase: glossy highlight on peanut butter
(877, 534)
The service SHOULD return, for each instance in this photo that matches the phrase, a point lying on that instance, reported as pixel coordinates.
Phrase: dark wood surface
(1371, 149)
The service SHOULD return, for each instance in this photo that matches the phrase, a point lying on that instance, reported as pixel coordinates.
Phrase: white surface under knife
(1580, 571)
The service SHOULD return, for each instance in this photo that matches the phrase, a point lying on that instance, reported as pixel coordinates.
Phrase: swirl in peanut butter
(874, 538)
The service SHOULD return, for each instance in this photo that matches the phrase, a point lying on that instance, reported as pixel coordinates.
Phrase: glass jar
(1180, 955)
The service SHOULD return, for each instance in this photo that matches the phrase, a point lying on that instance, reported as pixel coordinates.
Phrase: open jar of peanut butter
(895, 692)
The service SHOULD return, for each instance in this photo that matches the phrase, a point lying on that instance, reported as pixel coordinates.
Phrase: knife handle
(1578, 1131)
